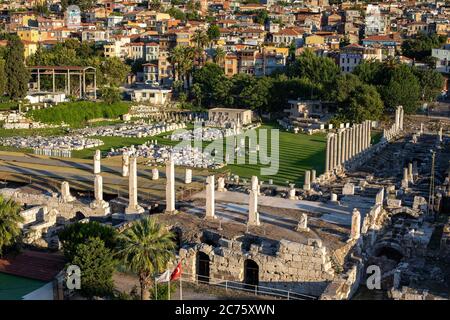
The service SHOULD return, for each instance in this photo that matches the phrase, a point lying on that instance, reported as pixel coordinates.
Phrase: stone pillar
(440, 134)
(98, 192)
(421, 128)
(97, 159)
(343, 146)
(170, 186)
(397, 119)
(125, 164)
(253, 214)
(307, 182)
(210, 198)
(379, 199)
(335, 151)
(155, 174)
(65, 192)
(254, 184)
(328, 153)
(402, 113)
(356, 225)
(303, 223)
(410, 172)
(369, 131)
(221, 184)
(339, 148)
(291, 191)
(313, 176)
(188, 176)
(405, 179)
(133, 205)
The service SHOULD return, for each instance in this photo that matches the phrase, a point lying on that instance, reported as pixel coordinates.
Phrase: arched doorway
(251, 274)
(79, 216)
(203, 267)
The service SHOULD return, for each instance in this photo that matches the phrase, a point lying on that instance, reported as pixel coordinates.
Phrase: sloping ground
(41, 266)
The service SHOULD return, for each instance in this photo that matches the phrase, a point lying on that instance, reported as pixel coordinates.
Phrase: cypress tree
(17, 74)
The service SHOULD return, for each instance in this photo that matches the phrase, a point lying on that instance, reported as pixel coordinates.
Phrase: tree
(214, 85)
(17, 74)
(115, 71)
(357, 101)
(111, 95)
(146, 248)
(419, 47)
(262, 16)
(9, 223)
(401, 87)
(181, 58)
(317, 69)
(431, 83)
(219, 55)
(74, 234)
(213, 32)
(2, 78)
(155, 5)
(97, 266)
(176, 14)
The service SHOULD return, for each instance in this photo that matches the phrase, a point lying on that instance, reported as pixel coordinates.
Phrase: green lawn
(297, 153)
(14, 288)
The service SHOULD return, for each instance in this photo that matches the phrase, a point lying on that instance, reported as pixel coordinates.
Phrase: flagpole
(168, 289)
(156, 289)
(181, 288)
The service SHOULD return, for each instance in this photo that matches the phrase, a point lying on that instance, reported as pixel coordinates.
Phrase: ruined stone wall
(301, 268)
(66, 210)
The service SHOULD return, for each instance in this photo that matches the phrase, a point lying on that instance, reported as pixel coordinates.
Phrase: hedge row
(76, 113)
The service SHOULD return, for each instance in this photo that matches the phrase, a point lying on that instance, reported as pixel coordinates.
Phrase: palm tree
(201, 40)
(9, 222)
(146, 248)
(219, 55)
(181, 58)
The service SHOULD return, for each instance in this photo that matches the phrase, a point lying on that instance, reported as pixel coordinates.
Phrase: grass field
(297, 153)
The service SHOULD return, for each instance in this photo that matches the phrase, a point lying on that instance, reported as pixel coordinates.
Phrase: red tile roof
(42, 266)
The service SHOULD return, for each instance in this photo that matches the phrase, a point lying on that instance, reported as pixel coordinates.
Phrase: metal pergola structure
(68, 72)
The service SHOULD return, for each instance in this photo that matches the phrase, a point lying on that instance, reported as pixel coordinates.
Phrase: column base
(171, 211)
(134, 210)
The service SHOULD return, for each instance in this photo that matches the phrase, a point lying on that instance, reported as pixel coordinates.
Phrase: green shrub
(76, 113)
(74, 234)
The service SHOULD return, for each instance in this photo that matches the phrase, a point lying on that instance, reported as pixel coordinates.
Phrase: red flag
(176, 273)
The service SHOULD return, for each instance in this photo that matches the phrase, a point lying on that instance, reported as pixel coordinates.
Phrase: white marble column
(221, 184)
(188, 176)
(98, 193)
(329, 153)
(307, 182)
(313, 176)
(210, 198)
(155, 174)
(133, 205)
(65, 192)
(303, 223)
(125, 164)
(97, 163)
(170, 186)
(253, 214)
(356, 225)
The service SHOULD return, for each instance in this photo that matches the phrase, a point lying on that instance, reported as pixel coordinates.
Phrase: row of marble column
(346, 144)
(397, 127)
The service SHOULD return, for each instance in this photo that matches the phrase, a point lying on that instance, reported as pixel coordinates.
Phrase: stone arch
(203, 267)
(79, 215)
(251, 273)
(389, 249)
